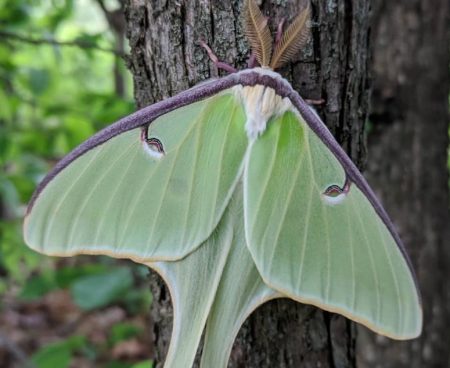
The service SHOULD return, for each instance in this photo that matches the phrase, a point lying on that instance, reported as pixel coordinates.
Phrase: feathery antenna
(258, 32)
(293, 39)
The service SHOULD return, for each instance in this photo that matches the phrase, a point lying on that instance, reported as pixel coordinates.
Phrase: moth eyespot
(152, 146)
(155, 145)
(333, 191)
(334, 194)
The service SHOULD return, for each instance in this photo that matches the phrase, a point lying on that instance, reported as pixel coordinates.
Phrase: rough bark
(408, 165)
(166, 59)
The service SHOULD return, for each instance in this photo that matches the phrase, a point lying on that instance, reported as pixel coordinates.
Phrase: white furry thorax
(261, 103)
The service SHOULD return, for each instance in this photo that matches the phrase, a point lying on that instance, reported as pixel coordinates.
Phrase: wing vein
(176, 153)
(305, 233)
(91, 191)
(286, 206)
(327, 231)
(372, 264)
(160, 204)
(111, 200)
(400, 320)
(263, 190)
(324, 215)
(64, 197)
(136, 200)
(193, 171)
(266, 181)
(305, 237)
(352, 260)
(222, 153)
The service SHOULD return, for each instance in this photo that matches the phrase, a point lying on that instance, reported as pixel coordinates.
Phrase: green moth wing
(232, 210)
(227, 289)
(240, 291)
(149, 193)
(192, 304)
(316, 237)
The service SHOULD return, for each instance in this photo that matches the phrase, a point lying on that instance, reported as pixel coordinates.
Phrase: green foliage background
(52, 97)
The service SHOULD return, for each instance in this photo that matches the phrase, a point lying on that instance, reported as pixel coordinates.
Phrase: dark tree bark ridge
(166, 59)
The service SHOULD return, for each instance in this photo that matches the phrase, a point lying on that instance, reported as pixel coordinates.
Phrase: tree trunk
(408, 165)
(166, 59)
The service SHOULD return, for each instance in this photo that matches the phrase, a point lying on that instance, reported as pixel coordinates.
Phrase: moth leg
(219, 64)
(251, 63)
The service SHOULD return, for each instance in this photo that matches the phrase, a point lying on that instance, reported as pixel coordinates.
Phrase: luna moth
(236, 193)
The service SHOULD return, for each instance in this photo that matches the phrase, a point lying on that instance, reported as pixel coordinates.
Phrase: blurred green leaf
(78, 129)
(3, 286)
(117, 364)
(38, 79)
(66, 276)
(123, 331)
(37, 286)
(15, 257)
(11, 197)
(58, 355)
(137, 300)
(143, 364)
(98, 291)
(49, 279)
(61, 144)
(16, 12)
(90, 38)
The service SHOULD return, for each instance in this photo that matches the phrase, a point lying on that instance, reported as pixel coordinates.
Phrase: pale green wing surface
(205, 289)
(336, 254)
(193, 283)
(241, 290)
(120, 199)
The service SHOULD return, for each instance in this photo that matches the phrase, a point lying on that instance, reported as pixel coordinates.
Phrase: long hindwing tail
(240, 291)
(316, 237)
(213, 290)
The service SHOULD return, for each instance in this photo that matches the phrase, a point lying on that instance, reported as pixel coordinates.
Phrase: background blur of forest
(62, 78)
(54, 312)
